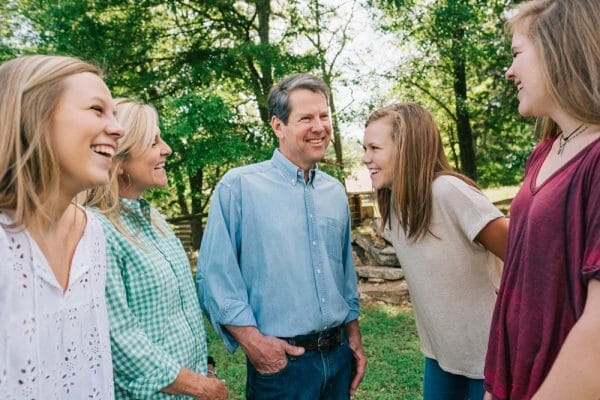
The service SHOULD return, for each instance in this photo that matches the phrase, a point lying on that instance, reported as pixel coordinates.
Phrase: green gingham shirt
(155, 321)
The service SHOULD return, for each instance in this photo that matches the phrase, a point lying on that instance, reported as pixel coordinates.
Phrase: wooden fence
(189, 229)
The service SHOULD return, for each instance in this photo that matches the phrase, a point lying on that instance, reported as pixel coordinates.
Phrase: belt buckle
(319, 344)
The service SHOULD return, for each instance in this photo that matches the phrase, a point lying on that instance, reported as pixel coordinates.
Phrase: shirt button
(314, 243)
(322, 300)
(318, 271)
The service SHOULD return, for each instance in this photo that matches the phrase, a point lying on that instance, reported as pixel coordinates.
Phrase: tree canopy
(208, 65)
(457, 55)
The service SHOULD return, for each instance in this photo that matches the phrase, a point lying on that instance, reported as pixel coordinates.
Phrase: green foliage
(118, 35)
(395, 368)
(327, 28)
(208, 65)
(206, 136)
(395, 364)
(435, 36)
(11, 28)
(503, 153)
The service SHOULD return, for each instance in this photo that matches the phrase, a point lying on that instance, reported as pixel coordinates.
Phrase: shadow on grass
(395, 367)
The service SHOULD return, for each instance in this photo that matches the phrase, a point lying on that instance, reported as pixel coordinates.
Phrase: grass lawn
(395, 367)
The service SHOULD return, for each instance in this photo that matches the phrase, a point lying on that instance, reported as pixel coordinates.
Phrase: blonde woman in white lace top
(57, 138)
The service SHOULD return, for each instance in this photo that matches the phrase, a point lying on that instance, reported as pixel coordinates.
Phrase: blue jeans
(441, 385)
(311, 376)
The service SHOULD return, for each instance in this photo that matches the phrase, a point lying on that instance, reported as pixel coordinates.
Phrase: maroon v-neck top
(553, 252)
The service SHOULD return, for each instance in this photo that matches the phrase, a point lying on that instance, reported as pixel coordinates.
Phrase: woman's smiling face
(379, 147)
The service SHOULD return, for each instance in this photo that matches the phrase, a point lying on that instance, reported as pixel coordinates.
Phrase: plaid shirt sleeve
(141, 366)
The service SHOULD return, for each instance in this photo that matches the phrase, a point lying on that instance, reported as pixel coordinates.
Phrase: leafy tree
(146, 55)
(121, 36)
(456, 57)
(328, 32)
(206, 65)
(9, 27)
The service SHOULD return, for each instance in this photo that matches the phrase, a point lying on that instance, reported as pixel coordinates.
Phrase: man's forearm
(246, 336)
(353, 331)
(360, 358)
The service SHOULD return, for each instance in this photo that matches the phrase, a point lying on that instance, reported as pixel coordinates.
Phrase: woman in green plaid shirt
(157, 335)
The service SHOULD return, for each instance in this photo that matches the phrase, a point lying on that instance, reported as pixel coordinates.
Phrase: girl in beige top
(442, 229)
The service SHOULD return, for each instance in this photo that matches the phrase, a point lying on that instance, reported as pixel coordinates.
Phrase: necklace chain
(563, 140)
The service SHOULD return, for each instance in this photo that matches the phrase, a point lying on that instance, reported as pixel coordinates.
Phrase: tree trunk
(337, 138)
(180, 188)
(463, 120)
(326, 75)
(263, 77)
(453, 142)
(196, 181)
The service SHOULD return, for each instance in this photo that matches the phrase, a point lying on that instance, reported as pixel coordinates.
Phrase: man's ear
(277, 126)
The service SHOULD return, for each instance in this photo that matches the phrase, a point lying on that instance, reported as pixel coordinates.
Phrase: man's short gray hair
(279, 95)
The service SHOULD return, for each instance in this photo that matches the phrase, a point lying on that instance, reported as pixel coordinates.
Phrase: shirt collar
(291, 171)
(139, 207)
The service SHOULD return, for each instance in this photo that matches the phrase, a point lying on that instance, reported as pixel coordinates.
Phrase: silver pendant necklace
(563, 140)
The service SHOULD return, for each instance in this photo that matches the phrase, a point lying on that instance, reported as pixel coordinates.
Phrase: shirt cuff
(234, 313)
(148, 386)
(352, 315)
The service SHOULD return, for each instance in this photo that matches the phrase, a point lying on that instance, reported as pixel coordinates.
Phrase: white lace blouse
(53, 344)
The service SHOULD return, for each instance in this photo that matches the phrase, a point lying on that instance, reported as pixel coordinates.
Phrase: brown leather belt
(321, 341)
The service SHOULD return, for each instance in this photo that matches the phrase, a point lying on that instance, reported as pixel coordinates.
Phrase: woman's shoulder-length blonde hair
(140, 123)
(419, 158)
(30, 90)
(566, 36)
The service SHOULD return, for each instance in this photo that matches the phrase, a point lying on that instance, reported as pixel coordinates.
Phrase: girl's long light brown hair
(30, 90)
(566, 36)
(419, 159)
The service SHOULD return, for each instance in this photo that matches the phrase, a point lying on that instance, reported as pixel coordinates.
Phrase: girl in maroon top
(545, 336)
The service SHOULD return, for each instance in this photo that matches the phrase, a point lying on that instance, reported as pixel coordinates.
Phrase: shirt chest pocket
(332, 239)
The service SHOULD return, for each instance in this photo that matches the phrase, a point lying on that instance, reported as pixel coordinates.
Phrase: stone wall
(379, 272)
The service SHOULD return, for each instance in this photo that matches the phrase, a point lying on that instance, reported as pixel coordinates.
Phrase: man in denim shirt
(275, 272)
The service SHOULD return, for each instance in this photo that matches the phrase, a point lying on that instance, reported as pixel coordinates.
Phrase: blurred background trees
(208, 65)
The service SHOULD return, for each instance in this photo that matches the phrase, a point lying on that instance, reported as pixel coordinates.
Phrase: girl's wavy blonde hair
(566, 37)
(140, 123)
(419, 158)
(30, 90)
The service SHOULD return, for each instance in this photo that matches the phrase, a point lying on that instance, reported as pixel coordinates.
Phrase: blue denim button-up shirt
(276, 252)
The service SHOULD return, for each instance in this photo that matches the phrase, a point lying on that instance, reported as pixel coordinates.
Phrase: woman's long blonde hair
(30, 89)
(140, 123)
(566, 36)
(419, 158)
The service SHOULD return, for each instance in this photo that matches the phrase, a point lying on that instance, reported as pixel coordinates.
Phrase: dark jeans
(312, 376)
(441, 385)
